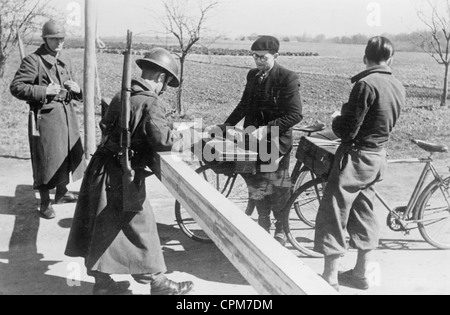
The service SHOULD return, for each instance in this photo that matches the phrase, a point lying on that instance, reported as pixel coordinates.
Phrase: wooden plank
(89, 77)
(268, 267)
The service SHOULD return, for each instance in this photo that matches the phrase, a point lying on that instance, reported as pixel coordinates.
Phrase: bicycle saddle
(311, 129)
(431, 147)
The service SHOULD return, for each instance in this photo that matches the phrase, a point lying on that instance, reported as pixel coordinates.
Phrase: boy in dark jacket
(364, 125)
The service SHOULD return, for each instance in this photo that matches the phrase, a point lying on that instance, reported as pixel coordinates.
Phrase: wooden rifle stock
(32, 129)
(130, 194)
(21, 46)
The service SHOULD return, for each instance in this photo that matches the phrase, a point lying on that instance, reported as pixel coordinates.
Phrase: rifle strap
(45, 69)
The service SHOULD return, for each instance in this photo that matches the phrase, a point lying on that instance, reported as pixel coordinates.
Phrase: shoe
(347, 279)
(47, 211)
(66, 198)
(281, 238)
(169, 287)
(111, 288)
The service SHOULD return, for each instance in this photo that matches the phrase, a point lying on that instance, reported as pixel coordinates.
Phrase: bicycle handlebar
(311, 129)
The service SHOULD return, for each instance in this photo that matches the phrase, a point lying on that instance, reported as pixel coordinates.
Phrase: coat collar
(376, 69)
(140, 86)
(51, 60)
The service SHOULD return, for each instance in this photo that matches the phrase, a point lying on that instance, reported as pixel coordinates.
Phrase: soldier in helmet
(111, 240)
(45, 81)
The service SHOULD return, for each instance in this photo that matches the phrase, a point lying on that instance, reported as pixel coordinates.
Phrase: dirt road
(32, 260)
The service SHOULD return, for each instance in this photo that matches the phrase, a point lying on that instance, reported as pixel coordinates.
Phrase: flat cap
(268, 43)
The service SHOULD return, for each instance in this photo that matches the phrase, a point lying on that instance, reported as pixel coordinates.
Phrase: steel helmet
(53, 29)
(163, 59)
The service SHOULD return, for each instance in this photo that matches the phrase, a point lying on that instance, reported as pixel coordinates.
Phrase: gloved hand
(72, 86)
(260, 133)
(53, 89)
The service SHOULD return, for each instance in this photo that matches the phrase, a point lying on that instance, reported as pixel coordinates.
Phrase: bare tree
(436, 41)
(187, 25)
(25, 16)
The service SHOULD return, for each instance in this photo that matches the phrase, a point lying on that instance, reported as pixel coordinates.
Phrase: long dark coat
(110, 240)
(55, 141)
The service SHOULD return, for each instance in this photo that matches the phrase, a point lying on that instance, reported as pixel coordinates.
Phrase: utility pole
(91, 8)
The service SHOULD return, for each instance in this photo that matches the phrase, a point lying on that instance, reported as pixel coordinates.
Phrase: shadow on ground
(204, 261)
(23, 270)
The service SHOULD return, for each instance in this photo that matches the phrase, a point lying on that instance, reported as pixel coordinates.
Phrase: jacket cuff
(40, 94)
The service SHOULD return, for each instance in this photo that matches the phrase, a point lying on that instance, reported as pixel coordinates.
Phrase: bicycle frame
(415, 197)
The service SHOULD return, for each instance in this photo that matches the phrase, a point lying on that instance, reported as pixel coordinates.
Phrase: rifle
(21, 47)
(130, 194)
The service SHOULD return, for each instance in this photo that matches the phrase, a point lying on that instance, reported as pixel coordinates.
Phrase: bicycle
(428, 209)
(227, 178)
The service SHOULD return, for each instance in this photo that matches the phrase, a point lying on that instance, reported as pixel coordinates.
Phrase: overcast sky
(276, 17)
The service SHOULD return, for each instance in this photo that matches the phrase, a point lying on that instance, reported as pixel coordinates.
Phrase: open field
(31, 249)
(214, 86)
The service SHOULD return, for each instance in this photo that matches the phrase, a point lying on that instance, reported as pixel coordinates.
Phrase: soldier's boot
(64, 196)
(105, 285)
(169, 287)
(160, 285)
(46, 211)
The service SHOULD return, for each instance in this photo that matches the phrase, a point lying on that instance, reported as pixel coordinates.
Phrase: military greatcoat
(111, 240)
(55, 141)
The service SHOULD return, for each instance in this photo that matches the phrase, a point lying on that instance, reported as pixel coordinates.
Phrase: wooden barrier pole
(89, 77)
(268, 267)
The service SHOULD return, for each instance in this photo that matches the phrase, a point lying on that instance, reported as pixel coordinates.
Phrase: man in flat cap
(271, 100)
(111, 240)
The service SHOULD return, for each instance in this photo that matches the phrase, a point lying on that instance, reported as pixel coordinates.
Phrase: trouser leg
(45, 196)
(278, 201)
(363, 225)
(350, 187)
(61, 190)
(264, 209)
(332, 218)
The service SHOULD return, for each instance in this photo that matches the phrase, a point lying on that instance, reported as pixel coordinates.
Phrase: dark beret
(268, 43)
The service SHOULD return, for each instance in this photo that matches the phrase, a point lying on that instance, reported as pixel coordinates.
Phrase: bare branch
(23, 16)
(187, 27)
(437, 39)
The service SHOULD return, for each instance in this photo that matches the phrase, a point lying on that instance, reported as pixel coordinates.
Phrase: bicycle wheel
(433, 216)
(232, 186)
(308, 217)
(307, 199)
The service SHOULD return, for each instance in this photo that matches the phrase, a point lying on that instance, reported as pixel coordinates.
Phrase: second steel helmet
(163, 59)
(53, 29)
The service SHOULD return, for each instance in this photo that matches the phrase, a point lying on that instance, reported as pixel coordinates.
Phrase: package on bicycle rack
(227, 157)
(317, 154)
